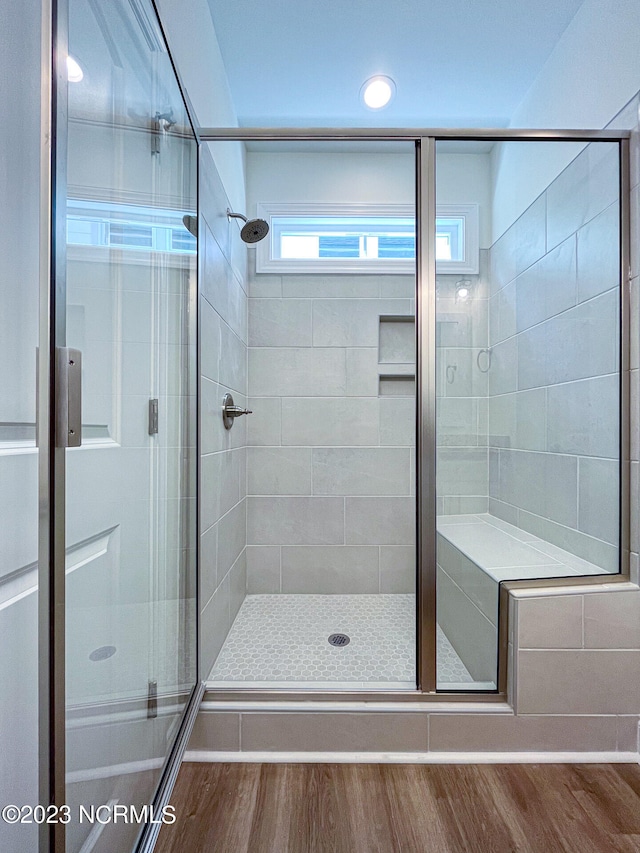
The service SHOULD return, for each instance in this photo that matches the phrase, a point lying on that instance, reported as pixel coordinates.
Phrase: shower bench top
(506, 552)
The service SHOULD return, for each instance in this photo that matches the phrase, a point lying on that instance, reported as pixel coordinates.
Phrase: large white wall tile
(548, 287)
(362, 372)
(530, 242)
(582, 417)
(232, 538)
(541, 483)
(502, 313)
(459, 375)
(472, 635)
(462, 471)
(580, 343)
(221, 288)
(398, 569)
(583, 681)
(361, 471)
(214, 627)
(219, 485)
(598, 254)
(612, 620)
(503, 374)
(502, 261)
(264, 423)
(279, 470)
(397, 419)
(331, 286)
(457, 421)
(569, 539)
(599, 486)
(233, 360)
(586, 187)
(295, 521)
(214, 436)
(397, 286)
(297, 372)
(344, 421)
(477, 585)
(379, 521)
(237, 585)
(208, 563)
(279, 322)
(331, 570)
(550, 622)
(352, 322)
(519, 420)
(263, 569)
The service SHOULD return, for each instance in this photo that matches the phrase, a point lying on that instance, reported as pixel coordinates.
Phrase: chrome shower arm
(235, 215)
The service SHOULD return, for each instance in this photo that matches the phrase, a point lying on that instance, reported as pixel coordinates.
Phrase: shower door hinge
(153, 416)
(152, 700)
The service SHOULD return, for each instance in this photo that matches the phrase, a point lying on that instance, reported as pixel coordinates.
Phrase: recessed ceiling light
(74, 72)
(377, 92)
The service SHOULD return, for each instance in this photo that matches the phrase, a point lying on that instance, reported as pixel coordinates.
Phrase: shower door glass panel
(528, 383)
(130, 520)
(330, 470)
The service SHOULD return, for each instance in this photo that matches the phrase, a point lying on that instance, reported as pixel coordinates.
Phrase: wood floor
(369, 808)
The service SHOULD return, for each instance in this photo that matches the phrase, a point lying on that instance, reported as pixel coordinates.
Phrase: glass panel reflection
(131, 267)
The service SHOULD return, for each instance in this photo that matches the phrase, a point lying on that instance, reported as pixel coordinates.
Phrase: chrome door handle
(69, 397)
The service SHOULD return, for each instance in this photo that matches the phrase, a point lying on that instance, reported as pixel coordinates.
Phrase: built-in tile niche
(397, 355)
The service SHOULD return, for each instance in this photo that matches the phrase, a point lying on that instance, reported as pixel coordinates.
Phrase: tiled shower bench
(475, 553)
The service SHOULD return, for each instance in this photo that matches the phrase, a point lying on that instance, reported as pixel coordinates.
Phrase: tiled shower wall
(554, 383)
(331, 506)
(462, 383)
(223, 368)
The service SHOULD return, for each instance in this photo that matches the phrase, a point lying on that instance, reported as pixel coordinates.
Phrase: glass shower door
(130, 482)
(529, 392)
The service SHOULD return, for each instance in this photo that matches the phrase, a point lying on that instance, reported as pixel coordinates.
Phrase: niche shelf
(396, 355)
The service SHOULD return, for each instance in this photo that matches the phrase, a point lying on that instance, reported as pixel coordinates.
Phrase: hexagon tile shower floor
(284, 638)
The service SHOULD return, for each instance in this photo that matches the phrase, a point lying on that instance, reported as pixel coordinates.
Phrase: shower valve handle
(230, 411)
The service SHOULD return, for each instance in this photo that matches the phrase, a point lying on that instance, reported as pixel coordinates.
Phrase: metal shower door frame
(425, 140)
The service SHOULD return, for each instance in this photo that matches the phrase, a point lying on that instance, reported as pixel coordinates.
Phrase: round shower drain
(103, 653)
(339, 640)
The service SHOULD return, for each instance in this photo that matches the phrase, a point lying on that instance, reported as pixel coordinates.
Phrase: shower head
(191, 224)
(253, 230)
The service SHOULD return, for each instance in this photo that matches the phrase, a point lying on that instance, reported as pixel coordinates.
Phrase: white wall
(367, 177)
(465, 179)
(593, 71)
(330, 177)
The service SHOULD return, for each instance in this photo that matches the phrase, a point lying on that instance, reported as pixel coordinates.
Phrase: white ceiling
(461, 63)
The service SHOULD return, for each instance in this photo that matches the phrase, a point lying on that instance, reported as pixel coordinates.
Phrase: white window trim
(265, 263)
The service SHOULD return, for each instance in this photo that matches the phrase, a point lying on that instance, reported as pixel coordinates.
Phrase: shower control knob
(230, 411)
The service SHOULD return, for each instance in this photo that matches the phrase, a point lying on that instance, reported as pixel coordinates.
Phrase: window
(363, 238)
